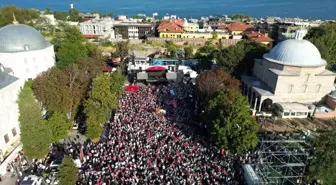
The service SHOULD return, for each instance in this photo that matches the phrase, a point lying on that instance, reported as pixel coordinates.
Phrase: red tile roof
(258, 37)
(239, 26)
(174, 26)
(88, 36)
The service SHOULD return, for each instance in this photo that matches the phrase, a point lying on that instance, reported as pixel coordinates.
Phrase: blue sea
(315, 9)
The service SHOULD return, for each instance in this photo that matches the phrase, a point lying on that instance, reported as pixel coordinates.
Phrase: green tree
(59, 126)
(35, 135)
(239, 17)
(69, 53)
(230, 123)
(68, 173)
(188, 52)
(74, 15)
(99, 105)
(70, 47)
(323, 164)
(214, 35)
(122, 50)
(211, 81)
(239, 58)
(117, 85)
(62, 16)
(23, 16)
(47, 11)
(324, 38)
(205, 54)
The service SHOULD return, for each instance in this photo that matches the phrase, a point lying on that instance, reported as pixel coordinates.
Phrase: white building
(24, 53)
(292, 76)
(98, 28)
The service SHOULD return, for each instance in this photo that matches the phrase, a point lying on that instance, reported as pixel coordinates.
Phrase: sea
(311, 9)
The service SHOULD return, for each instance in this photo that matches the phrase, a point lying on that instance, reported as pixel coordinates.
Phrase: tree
(47, 11)
(122, 50)
(69, 53)
(99, 105)
(239, 58)
(51, 89)
(23, 16)
(74, 15)
(214, 35)
(205, 55)
(230, 123)
(188, 52)
(62, 16)
(323, 164)
(117, 85)
(35, 135)
(70, 47)
(62, 91)
(59, 126)
(209, 82)
(324, 38)
(239, 17)
(68, 173)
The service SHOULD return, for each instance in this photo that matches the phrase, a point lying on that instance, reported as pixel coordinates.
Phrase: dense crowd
(151, 141)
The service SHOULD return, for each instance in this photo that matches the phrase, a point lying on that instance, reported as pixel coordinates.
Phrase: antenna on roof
(14, 19)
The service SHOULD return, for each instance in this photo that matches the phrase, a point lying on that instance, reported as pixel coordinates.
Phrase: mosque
(289, 80)
(24, 53)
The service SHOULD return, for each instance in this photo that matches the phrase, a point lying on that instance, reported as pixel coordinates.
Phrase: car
(31, 180)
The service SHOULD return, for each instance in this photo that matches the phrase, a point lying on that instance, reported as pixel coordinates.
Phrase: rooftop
(258, 85)
(259, 37)
(239, 26)
(174, 26)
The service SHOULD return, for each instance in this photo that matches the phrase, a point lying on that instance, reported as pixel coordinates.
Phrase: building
(96, 28)
(132, 30)
(170, 29)
(289, 79)
(238, 28)
(260, 38)
(24, 53)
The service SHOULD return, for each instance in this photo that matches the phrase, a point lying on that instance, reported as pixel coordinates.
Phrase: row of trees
(103, 97)
(237, 59)
(324, 38)
(226, 111)
(76, 80)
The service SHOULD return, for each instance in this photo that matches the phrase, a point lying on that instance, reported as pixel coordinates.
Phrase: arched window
(318, 87)
(304, 88)
(290, 88)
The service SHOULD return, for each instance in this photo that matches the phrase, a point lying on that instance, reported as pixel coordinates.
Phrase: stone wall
(193, 41)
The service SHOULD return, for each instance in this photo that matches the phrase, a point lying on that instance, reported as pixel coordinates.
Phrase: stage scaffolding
(282, 159)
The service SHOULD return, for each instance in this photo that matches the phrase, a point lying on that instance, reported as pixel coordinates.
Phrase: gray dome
(19, 37)
(295, 53)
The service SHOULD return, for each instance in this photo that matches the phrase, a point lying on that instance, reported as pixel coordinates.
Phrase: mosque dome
(19, 38)
(295, 52)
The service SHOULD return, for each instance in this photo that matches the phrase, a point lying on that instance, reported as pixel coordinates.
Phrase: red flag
(81, 154)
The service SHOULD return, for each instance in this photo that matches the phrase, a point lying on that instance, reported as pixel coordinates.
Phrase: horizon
(200, 8)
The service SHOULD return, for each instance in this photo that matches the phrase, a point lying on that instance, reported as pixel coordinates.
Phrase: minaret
(71, 4)
(300, 33)
(14, 19)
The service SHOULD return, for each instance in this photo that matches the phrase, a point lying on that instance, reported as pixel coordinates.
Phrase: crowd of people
(150, 141)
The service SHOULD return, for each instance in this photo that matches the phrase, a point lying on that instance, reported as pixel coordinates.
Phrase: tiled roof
(174, 26)
(259, 37)
(89, 36)
(239, 26)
